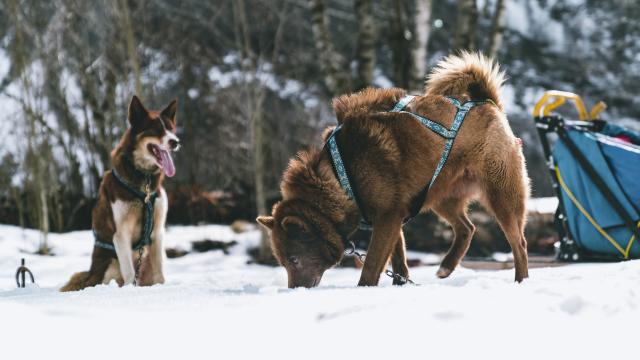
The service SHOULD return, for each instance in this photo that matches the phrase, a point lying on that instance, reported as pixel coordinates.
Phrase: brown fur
(390, 157)
(469, 73)
(143, 125)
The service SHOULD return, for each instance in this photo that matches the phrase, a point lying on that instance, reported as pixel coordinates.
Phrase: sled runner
(595, 168)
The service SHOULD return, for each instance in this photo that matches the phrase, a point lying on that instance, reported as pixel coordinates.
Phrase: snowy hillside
(217, 307)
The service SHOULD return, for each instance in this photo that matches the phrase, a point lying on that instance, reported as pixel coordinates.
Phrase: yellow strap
(633, 237)
(624, 252)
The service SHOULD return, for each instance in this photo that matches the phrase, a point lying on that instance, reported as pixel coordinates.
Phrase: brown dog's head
(304, 241)
(152, 136)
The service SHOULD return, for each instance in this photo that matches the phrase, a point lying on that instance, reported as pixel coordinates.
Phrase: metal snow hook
(20, 275)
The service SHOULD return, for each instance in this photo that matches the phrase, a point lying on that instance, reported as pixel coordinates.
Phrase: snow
(380, 80)
(546, 205)
(527, 17)
(217, 306)
(285, 88)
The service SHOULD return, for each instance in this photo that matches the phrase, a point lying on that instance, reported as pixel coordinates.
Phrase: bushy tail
(471, 74)
(77, 282)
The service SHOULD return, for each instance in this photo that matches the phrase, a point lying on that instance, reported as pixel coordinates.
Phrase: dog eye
(173, 144)
(293, 260)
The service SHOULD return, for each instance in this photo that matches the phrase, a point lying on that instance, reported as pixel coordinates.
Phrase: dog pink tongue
(167, 163)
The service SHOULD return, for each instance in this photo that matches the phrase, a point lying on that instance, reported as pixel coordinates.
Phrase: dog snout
(296, 280)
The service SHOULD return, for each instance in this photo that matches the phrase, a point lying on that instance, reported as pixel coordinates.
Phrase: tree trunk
(486, 9)
(257, 132)
(420, 44)
(17, 197)
(497, 29)
(58, 211)
(466, 25)
(400, 45)
(242, 37)
(332, 65)
(131, 45)
(36, 161)
(255, 104)
(366, 52)
(44, 218)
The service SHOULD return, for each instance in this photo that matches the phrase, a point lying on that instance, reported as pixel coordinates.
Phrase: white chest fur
(128, 217)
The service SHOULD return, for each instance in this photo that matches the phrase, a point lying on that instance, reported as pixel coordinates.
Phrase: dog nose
(174, 144)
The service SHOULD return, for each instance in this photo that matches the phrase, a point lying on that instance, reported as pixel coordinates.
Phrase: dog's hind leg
(506, 192)
(77, 282)
(100, 260)
(399, 260)
(455, 212)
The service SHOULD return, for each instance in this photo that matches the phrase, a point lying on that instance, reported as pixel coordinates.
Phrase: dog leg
(454, 211)
(156, 250)
(100, 262)
(122, 243)
(513, 230)
(112, 273)
(505, 194)
(383, 239)
(399, 260)
(156, 254)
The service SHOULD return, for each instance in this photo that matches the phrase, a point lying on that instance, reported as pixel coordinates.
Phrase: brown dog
(132, 200)
(389, 157)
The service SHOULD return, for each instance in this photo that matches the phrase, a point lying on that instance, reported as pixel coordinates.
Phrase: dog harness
(148, 200)
(448, 134)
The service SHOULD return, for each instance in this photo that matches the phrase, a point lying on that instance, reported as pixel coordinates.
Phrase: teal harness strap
(403, 103)
(343, 177)
(338, 165)
(148, 203)
(449, 134)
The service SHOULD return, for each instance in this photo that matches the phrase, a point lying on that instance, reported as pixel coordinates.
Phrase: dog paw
(158, 279)
(399, 282)
(443, 272)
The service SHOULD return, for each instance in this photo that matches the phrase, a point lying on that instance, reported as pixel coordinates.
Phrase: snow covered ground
(216, 307)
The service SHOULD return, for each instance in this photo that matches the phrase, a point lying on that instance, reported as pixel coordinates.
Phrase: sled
(595, 169)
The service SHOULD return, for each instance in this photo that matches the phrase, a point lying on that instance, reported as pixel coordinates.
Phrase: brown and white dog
(390, 156)
(141, 160)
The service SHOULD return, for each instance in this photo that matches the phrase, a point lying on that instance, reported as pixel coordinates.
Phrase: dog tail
(77, 282)
(469, 73)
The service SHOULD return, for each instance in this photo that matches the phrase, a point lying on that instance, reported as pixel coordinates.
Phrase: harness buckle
(351, 249)
(147, 191)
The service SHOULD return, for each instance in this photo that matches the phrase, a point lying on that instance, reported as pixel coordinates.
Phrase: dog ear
(169, 112)
(138, 114)
(266, 221)
(296, 228)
